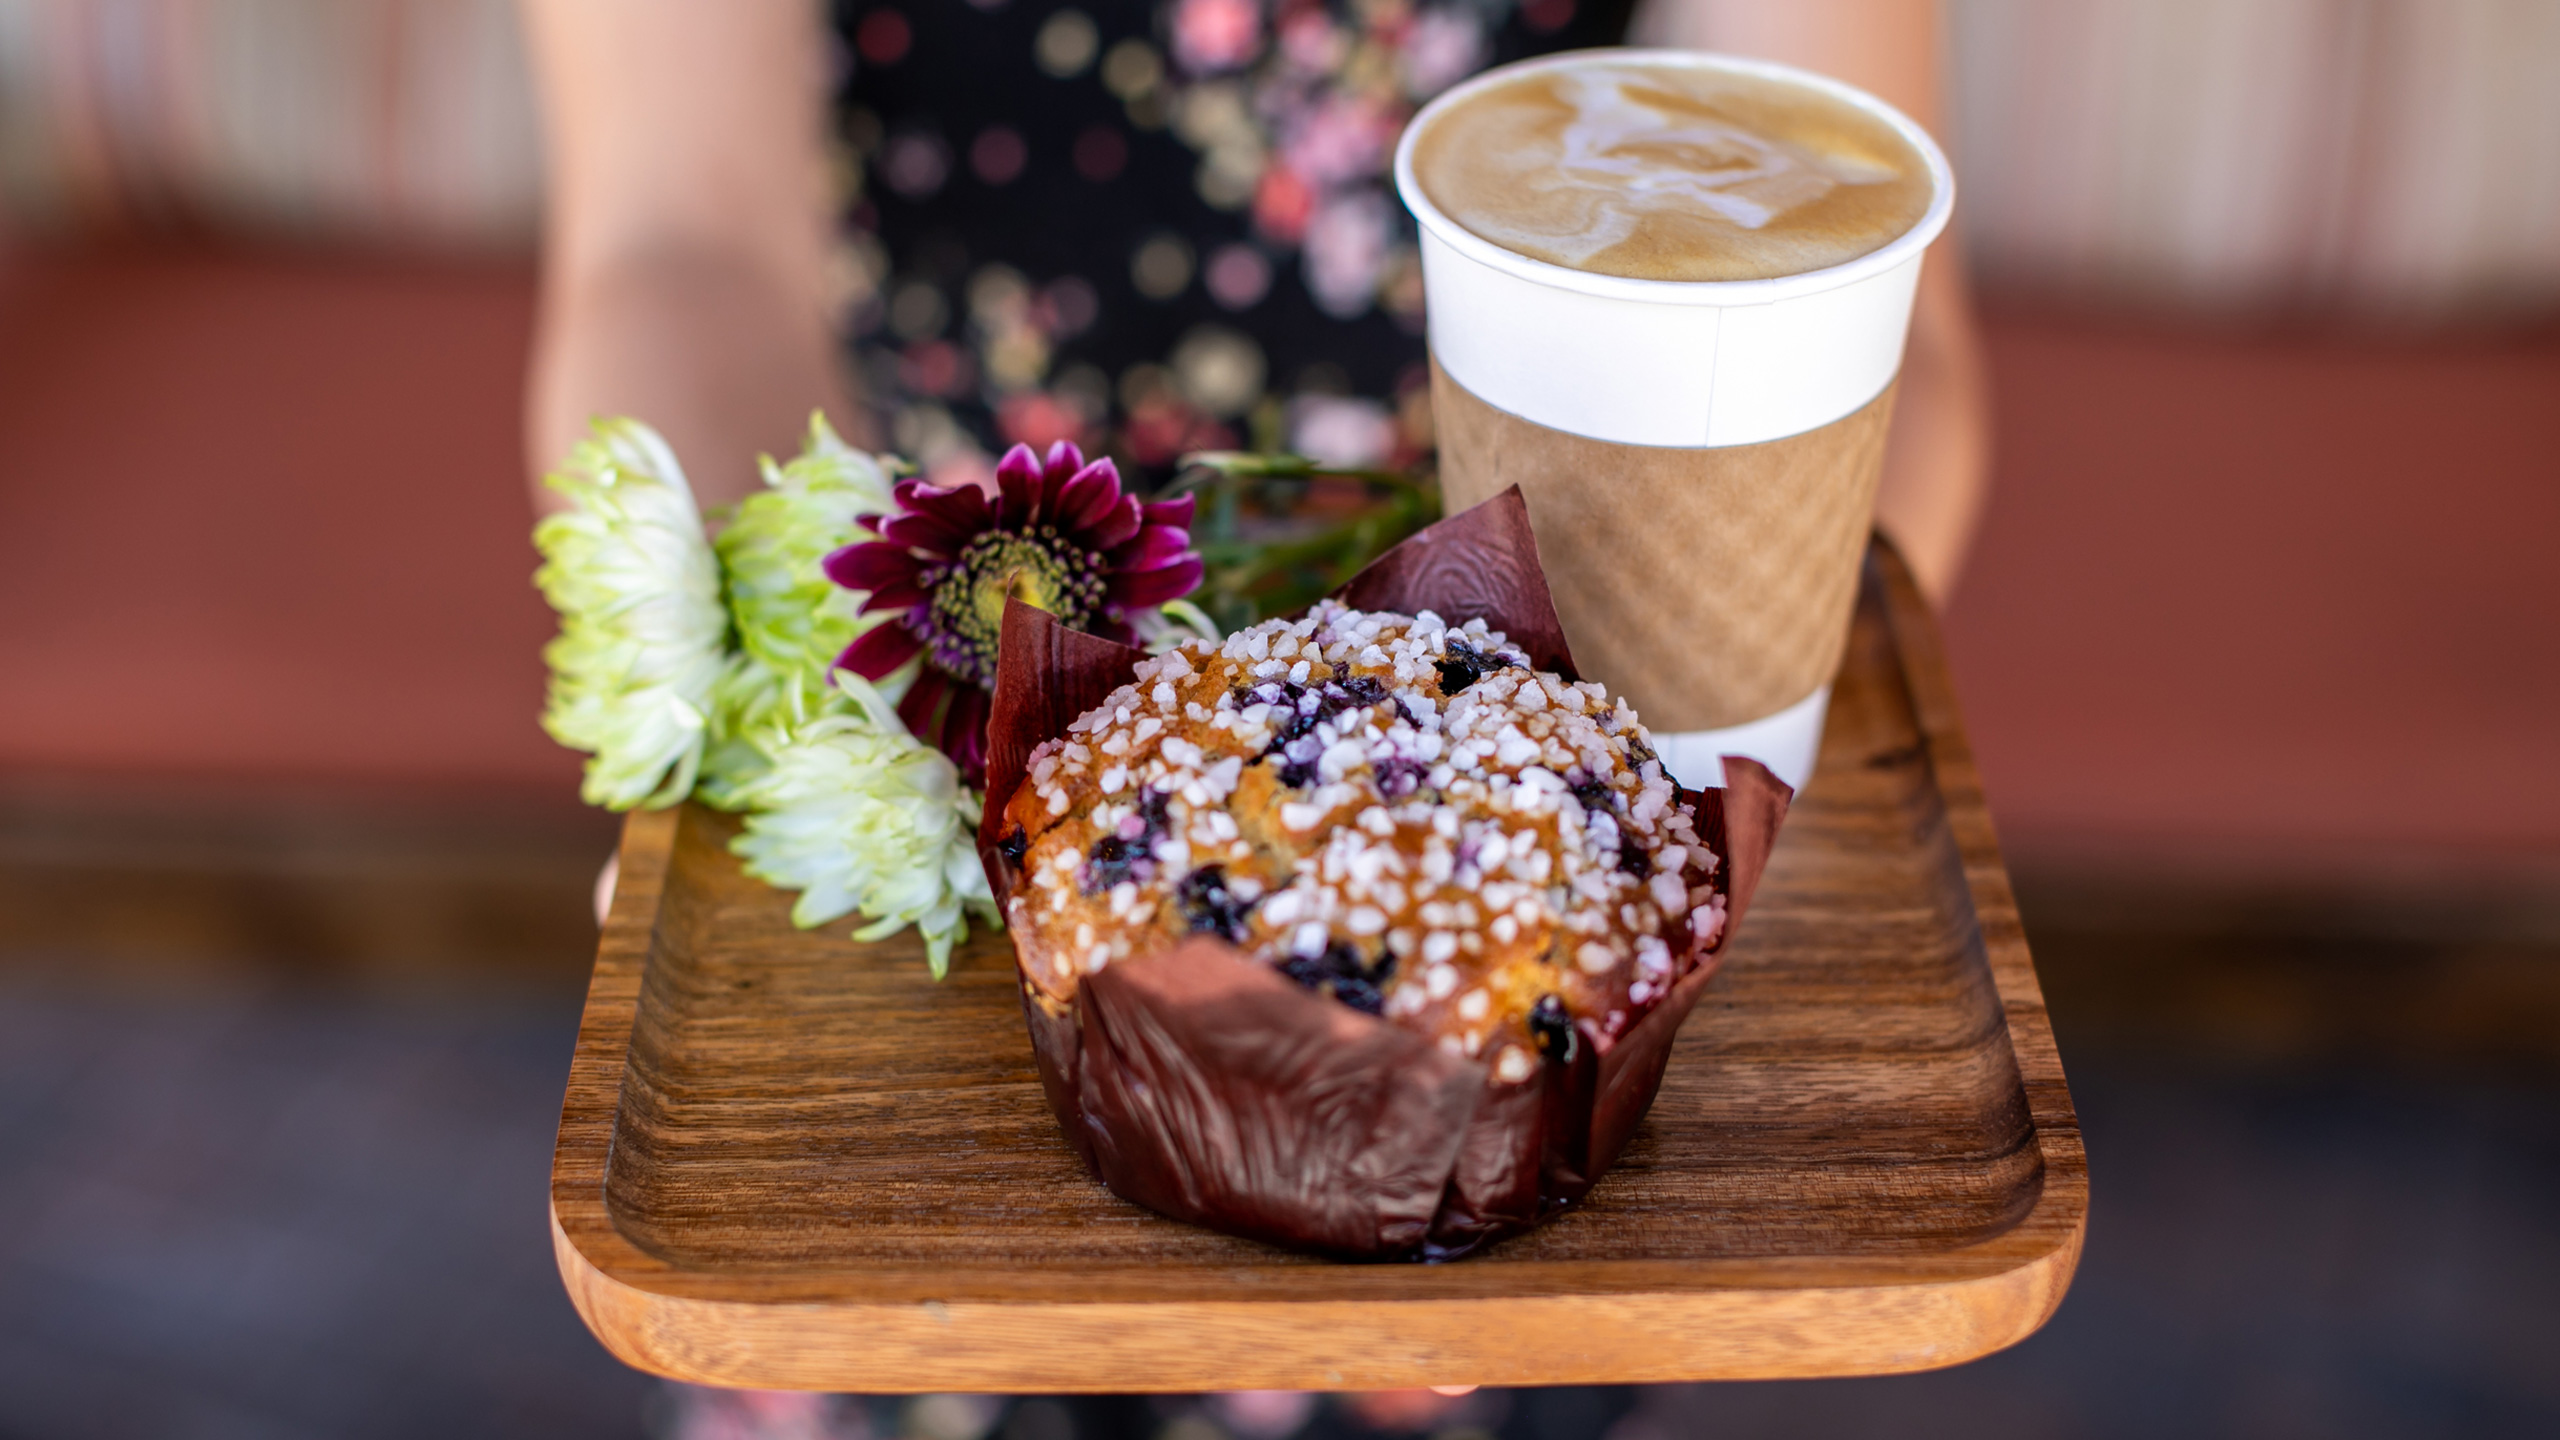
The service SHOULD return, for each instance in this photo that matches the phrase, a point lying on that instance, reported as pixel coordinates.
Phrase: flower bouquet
(819, 658)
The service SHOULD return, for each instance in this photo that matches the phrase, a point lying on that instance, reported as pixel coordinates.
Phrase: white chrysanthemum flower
(643, 636)
(791, 620)
(788, 613)
(857, 814)
(753, 709)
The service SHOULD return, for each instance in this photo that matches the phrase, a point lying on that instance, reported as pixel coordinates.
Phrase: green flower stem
(1207, 466)
(1251, 579)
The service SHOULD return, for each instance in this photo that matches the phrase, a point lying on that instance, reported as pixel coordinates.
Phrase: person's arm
(1937, 460)
(684, 254)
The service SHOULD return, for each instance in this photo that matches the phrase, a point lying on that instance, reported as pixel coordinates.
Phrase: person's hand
(1937, 458)
(606, 878)
(685, 256)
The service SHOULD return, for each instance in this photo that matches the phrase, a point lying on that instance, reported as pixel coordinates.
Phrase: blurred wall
(262, 516)
(401, 121)
(2384, 159)
(2394, 159)
(2274, 605)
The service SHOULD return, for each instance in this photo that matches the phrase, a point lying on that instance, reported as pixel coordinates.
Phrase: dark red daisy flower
(1059, 534)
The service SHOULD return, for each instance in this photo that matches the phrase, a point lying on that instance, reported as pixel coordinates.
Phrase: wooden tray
(787, 1160)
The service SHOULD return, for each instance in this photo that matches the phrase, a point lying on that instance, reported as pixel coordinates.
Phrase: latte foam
(1671, 172)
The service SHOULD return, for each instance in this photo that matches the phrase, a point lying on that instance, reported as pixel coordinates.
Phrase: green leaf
(1269, 563)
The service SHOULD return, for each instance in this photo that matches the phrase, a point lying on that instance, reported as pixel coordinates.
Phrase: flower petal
(1020, 486)
(939, 537)
(889, 599)
(953, 502)
(872, 565)
(880, 650)
(951, 510)
(1154, 548)
(921, 700)
(1175, 512)
(1134, 591)
(1116, 528)
(964, 732)
(1017, 466)
(1088, 495)
(1063, 460)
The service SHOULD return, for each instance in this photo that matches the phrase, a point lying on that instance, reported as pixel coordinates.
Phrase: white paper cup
(1678, 366)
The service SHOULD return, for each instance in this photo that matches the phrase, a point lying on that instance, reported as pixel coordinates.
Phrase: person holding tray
(1155, 227)
(1151, 228)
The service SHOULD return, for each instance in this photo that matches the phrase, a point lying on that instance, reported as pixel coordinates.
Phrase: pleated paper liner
(1205, 1085)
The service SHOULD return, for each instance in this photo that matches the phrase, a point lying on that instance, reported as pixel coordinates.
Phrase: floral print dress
(1149, 226)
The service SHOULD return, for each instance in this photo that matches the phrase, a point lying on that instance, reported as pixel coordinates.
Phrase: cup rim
(1892, 253)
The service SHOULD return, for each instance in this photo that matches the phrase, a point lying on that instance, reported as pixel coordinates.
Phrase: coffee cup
(1667, 297)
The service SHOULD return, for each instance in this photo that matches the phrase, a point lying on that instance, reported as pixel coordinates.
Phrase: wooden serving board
(790, 1161)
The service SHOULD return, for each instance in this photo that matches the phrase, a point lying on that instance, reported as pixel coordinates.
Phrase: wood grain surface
(787, 1160)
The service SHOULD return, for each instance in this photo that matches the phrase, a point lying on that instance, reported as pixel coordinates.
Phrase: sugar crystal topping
(1396, 811)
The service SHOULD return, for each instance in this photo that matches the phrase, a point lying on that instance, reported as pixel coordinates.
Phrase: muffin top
(1393, 810)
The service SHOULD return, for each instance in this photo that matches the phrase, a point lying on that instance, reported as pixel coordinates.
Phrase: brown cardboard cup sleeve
(1207, 1086)
(1711, 586)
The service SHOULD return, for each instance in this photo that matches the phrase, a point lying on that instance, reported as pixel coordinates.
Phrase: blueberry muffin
(1394, 811)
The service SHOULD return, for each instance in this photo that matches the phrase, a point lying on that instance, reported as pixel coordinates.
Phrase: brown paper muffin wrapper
(1208, 1086)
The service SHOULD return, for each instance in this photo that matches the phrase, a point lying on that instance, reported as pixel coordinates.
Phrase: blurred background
(2260, 650)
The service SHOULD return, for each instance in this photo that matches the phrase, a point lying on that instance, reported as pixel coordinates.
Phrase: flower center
(1038, 567)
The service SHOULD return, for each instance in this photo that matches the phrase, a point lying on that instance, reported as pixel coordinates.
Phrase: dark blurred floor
(298, 1212)
(2325, 1253)
(234, 1214)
